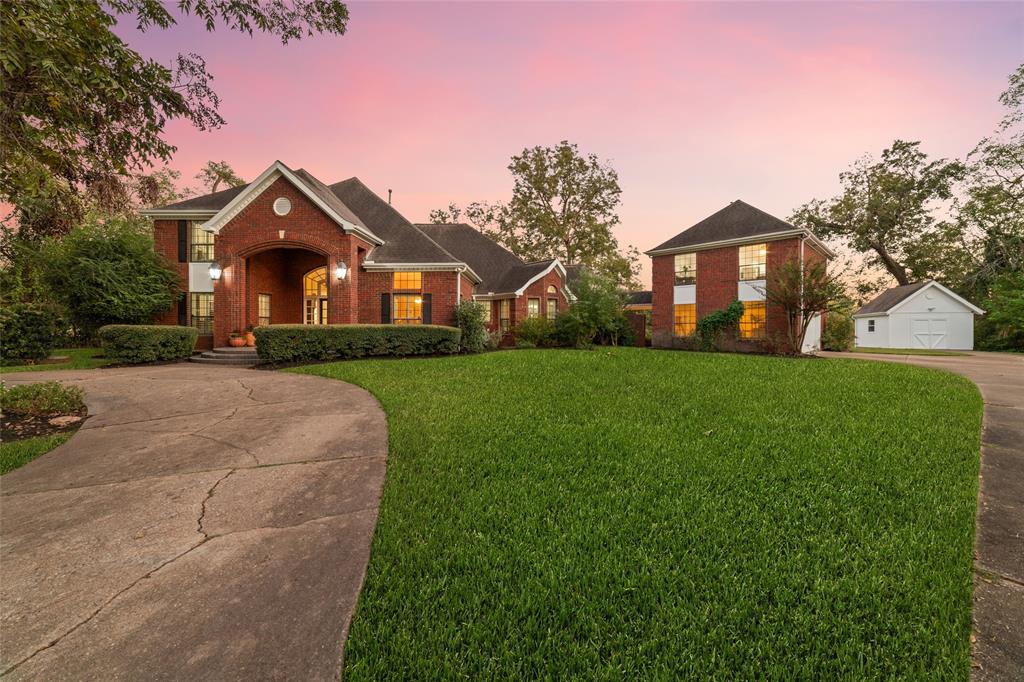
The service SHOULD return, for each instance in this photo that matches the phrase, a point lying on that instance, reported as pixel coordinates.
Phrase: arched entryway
(287, 286)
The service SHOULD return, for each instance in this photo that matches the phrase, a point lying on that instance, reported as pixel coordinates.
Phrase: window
(686, 268)
(552, 289)
(552, 308)
(752, 324)
(264, 310)
(408, 281)
(408, 308)
(202, 313)
(314, 302)
(871, 325)
(202, 244)
(753, 261)
(533, 307)
(504, 308)
(684, 319)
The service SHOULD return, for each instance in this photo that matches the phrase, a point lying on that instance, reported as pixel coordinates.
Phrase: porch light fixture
(215, 271)
(341, 270)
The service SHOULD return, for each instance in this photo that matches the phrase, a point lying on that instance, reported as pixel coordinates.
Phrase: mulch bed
(16, 426)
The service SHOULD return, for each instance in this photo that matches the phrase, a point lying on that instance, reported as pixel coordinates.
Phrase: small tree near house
(802, 290)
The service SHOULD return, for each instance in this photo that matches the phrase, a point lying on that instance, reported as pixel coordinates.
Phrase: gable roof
(489, 259)
(208, 202)
(736, 223)
(890, 299)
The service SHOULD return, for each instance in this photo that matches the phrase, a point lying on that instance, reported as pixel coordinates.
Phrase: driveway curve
(998, 649)
(204, 523)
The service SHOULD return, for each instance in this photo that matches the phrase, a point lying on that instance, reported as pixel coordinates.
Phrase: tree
(216, 173)
(801, 290)
(107, 272)
(80, 110)
(563, 206)
(595, 315)
(886, 212)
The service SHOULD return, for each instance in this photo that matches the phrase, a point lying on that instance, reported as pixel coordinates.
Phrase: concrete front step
(236, 357)
(231, 350)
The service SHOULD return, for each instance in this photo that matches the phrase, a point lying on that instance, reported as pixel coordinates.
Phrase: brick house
(288, 249)
(728, 256)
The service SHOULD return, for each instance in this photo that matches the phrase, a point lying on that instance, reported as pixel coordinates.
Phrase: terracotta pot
(236, 341)
(250, 339)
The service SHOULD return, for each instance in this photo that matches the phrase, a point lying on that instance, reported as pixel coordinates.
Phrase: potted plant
(250, 338)
(235, 339)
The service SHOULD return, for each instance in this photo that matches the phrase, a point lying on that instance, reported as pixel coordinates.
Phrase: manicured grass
(78, 358)
(20, 452)
(906, 351)
(635, 514)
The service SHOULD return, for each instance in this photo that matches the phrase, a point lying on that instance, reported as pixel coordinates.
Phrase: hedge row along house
(728, 256)
(289, 249)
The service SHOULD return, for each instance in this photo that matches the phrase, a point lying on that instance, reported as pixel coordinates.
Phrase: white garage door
(929, 332)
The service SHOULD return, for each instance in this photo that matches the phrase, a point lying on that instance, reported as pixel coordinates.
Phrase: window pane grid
(686, 268)
(752, 324)
(408, 309)
(202, 313)
(685, 319)
(408, 281)
(753, 261)
(202, 244)
(264, 310)
(533, 307)
(552, 308)
(504, 310)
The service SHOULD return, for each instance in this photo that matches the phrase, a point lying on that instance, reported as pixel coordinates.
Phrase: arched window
(314, 289)
(552, 289)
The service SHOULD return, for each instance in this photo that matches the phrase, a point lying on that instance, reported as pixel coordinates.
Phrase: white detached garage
(921, 315)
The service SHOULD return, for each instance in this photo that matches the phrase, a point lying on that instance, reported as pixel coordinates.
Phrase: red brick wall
(165, 242)
(279, 273)
(440, 285)
(778, 253)
(662, 276)
(539, 290)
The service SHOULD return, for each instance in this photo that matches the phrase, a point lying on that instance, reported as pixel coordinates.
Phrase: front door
(928, 332)
(314, 303)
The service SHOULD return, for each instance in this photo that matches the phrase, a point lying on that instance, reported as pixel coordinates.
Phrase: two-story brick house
(728, 256)
(289, 249)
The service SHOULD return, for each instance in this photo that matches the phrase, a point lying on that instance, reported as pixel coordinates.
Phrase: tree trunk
(895, 269)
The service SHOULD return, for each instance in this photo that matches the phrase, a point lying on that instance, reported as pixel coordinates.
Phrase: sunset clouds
(694, 104)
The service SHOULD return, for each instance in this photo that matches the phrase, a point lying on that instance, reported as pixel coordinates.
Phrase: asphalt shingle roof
(207, 202)
(488, 259)
(888, 299)
(638, 298)
(735, 221)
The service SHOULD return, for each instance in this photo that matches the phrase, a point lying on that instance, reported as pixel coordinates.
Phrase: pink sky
(693, 104)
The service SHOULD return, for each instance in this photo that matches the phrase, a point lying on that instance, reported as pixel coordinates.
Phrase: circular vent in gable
(282, 206)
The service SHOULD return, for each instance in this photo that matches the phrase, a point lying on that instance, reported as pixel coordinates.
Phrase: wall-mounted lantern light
(341, 270)
(215, 271)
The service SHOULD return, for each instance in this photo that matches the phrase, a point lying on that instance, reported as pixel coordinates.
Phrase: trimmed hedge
(26, 332)
(304, 342)
(135, 343)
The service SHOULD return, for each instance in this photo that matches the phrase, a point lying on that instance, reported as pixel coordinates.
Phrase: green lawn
(635, 514)
(20, 452)
(906, 351)
(78, 358)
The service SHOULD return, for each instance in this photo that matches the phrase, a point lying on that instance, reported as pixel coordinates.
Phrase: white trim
(554, 264)
(370, 266)
(931, 283)
(491, 296)
(738, 241)
(265, 180)
(183, 214)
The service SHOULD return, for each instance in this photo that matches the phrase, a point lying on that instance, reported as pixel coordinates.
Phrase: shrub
(469, 318)
(713, 325)
(535, 332)
(137, 343)
(301, 342)
(48, 397)
(26, 332)
(595, 315)
(838, 334)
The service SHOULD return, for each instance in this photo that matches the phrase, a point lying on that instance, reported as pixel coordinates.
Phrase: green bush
(838, 334)
(302, 342)
(26, 332)
(713, 325)
(595, 316)
(470, 319)
(135, 343)
(535, 332)
(48, 397)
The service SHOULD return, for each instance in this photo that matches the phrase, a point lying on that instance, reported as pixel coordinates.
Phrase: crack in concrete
(218, 441)
(202, 507)
(992, 576)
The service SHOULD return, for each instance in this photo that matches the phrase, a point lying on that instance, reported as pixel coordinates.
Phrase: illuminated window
(684, 319)
(533, 307)
(552, 308)
(314, 287)
(504, 310)
(552, 290)
(202, 313)
(408, 308)
(315, 282)
(408, 281)
(686, 268)
(202, 244)
(752, 324)
(753, 261)
(264, 310)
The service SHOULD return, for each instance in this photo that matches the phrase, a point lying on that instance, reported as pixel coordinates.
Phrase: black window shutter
(182, 241)
(182, 312)
(385, 308)
(426, 309)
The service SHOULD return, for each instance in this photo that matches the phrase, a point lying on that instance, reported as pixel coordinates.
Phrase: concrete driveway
(999, 540)
(205, 523)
